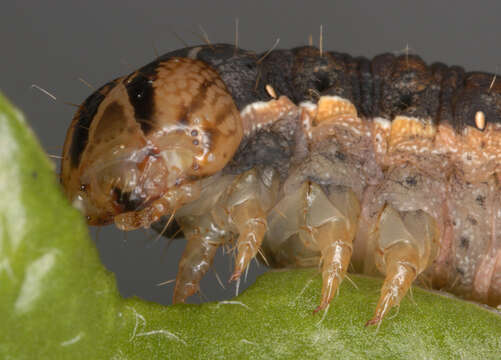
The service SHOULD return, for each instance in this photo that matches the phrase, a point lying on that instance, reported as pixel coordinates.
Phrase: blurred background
(63, 45)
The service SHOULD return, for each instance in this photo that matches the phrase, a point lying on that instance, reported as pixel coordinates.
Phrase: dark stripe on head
(222, 113)
(182, 116)
(196, 103)
(199, 100)
(85, 116)
(140, 91)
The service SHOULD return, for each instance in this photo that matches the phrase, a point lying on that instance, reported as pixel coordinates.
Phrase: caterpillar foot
(318, 223)
(405, 240)
(335, 240)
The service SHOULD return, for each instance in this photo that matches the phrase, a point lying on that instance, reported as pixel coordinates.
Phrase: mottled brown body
(311, 159)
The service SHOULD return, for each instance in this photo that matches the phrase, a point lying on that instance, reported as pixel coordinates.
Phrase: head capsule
(141, 144)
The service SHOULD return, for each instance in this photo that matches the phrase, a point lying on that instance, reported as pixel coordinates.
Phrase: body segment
(309, 159)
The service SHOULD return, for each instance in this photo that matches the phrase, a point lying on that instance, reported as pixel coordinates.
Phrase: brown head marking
(161, 128)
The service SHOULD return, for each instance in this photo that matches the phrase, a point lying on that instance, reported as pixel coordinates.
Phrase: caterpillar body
(310, 158)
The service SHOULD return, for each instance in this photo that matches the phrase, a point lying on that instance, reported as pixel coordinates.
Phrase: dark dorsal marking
(84, 118)
(384, 86)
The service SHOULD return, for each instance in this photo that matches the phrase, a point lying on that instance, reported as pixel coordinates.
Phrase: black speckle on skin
(472, 220)
(411, 180)
(34, 175)
(464, 242)
(340, 156)
(480, 199)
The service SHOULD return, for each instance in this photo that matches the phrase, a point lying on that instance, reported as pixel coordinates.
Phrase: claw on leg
(250, 221)
(400, 273)
(407, 242)
(336, 251)
(334, 219)
(195, 261)
(248, 200)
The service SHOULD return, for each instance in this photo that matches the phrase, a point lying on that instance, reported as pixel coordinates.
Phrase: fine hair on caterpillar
(308, 156)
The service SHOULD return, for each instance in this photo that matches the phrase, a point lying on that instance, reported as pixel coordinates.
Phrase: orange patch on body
(411, 134)
(333, 106)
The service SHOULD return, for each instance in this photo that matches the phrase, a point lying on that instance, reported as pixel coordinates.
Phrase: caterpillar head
(142, 143)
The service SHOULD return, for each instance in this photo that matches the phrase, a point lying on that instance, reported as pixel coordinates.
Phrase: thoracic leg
(203, 241)
(406, 245)
(250, 221)
(247, 202)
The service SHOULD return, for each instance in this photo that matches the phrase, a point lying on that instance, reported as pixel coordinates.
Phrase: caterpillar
(306, 157)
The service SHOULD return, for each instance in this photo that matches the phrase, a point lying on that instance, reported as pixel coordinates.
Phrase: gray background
(53, 43)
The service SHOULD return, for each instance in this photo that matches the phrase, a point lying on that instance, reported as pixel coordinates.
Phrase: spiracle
(303, 158)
